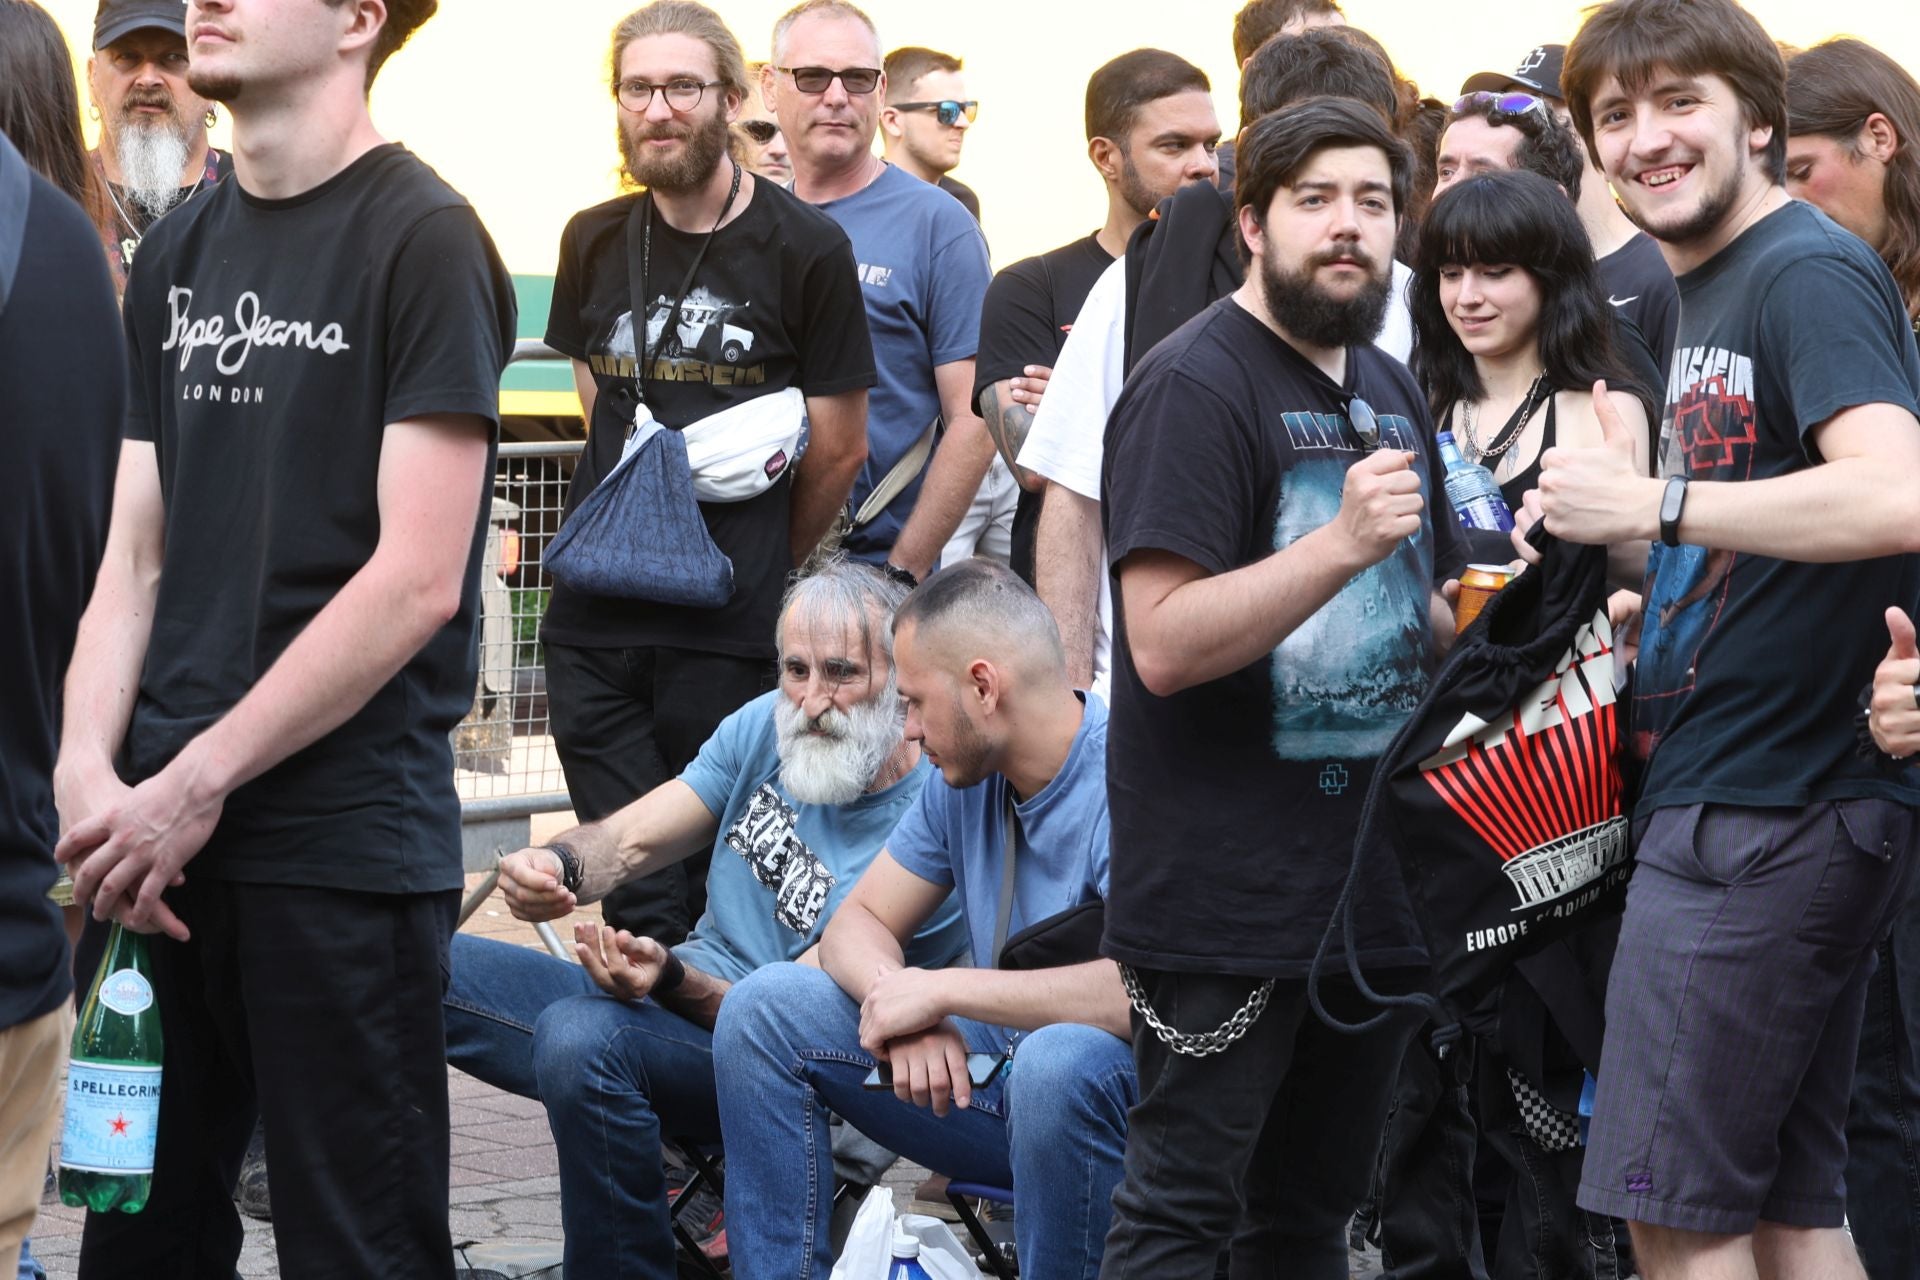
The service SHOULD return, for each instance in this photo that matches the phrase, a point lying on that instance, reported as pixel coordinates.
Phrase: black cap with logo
(1538, 71)
(118, 17)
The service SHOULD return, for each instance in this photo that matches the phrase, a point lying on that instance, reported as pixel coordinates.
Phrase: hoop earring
(213, 117)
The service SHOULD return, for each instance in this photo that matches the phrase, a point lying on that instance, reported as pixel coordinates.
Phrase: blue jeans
(29, 1268)
(614, 1077)
(1883, 1131)
(1053, 1126)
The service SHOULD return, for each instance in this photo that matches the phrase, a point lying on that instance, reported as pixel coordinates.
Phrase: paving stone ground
(505, 1192)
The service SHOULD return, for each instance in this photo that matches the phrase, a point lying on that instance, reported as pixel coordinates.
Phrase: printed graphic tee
(923, 272)
(271, 342)
(1029, 311)
(1750, 668)
(781, 868)
(776, 305)
(1235, 803)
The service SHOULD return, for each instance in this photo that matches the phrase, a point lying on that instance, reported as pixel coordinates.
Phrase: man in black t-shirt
(153, 154)
(256, 758)
(65, 373)
(772, 306)
(1276, 519)
(1771, 855)
(1150, 130)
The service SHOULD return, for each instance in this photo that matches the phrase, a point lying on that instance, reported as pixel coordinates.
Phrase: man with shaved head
(1015, 827)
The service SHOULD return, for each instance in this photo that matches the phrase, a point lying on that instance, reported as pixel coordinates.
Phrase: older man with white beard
(795, 794)
(153, 151)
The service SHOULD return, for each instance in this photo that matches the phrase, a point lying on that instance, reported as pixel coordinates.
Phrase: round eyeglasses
(681, 95)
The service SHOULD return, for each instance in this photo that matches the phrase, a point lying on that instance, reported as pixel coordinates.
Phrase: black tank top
(1515, 489)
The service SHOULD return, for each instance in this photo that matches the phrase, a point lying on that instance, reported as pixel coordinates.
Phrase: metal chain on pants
(1197, 1044)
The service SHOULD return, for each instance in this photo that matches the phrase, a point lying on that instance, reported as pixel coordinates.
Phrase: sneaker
(250, 1193)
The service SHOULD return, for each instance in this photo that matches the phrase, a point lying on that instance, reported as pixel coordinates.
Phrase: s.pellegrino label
(113, 1085)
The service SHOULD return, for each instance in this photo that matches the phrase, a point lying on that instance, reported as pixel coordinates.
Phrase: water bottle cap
(905, 1246)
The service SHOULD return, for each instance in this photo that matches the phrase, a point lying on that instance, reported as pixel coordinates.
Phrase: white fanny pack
(741, 451)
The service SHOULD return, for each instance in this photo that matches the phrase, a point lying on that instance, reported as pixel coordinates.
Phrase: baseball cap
(116, 18)
(1538, 71)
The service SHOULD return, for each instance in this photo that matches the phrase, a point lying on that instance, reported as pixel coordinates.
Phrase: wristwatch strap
(1672, 502)
(570, 873)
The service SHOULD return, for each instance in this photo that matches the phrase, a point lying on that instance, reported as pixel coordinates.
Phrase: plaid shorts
(1734, 1010)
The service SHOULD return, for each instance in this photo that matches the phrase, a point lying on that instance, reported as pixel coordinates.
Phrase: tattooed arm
(1008, 422)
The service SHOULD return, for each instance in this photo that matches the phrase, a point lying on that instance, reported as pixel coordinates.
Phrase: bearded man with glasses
(923, 272)
(711, 290)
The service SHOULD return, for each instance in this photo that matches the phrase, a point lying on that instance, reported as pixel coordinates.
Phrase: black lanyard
(640, 264)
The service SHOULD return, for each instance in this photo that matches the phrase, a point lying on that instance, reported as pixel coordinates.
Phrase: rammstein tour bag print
(1502, 801)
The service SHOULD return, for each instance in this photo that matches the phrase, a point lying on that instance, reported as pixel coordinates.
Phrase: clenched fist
(1380, 504)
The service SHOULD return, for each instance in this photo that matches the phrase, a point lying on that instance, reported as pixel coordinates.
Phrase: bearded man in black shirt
(1151, 130)
(1275, 518)
(153, 154)
(256, 758)
(768, 304)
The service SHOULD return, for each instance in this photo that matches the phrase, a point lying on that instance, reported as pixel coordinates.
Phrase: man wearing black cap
(1636, 277)
(153, 151)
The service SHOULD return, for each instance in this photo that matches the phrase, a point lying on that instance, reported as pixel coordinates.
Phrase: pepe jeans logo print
(767, 838)
(252, 327)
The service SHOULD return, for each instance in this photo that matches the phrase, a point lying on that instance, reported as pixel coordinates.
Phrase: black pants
(1268, 1145)
(322, 1008)
(1429, 1223)
(626, 720)
(1883, 1129)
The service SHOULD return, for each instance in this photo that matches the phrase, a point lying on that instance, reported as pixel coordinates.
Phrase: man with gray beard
(153, 152)
(792, 796)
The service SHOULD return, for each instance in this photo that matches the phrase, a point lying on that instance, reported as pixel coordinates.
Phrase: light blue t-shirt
(924, 273)
(781, 868)
(959, 838)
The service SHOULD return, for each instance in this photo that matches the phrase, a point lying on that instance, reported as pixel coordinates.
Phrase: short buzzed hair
(1261, 20)
(985, 601)
(905, 66)
(818, 8)
(1120, 90)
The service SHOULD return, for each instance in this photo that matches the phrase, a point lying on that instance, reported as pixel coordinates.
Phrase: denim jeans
(29, 1268)
(615, 1079)
(1883, 1130)
(1053, 1126)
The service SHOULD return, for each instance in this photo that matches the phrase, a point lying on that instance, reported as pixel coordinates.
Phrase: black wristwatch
(569, 865)
(673, 972)
(1671, 503)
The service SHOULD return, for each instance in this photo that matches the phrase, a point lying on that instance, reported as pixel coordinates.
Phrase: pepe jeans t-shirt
(1235, 802)
(271, 342)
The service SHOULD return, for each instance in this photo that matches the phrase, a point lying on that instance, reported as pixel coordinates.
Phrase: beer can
(62, 891)
(1479, 584)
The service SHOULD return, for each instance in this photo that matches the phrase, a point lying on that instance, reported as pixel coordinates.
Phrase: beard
(1298, 304)
(834, 758)
(151, 155)
(1713, 209)
(1140, 197)
(706, 142)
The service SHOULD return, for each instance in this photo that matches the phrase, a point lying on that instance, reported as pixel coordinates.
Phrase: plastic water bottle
(906, 1260)
(113, 1085)
(1471, 489)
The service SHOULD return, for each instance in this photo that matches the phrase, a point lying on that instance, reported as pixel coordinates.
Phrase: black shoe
(250, 1193)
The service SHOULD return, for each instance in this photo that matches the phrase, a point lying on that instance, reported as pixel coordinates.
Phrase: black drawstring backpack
(1503, 799)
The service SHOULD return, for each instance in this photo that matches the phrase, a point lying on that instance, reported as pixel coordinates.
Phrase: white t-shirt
(1068, 436)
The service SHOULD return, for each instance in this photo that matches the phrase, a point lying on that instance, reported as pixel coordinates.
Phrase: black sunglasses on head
(816, 79)
(761, 131)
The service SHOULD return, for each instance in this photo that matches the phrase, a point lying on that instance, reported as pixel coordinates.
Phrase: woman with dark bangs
(1513, 330)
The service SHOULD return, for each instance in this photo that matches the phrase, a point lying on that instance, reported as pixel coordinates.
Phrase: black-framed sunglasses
(816, 79)
(682, 95)
(1365, 423)
(1507, 104)
(947, 111)
(761, 131)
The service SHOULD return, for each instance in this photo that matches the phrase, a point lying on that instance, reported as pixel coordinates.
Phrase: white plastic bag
(869, 1247)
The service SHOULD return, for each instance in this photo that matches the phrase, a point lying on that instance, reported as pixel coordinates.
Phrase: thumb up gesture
(1894, 714)
(1597, 495)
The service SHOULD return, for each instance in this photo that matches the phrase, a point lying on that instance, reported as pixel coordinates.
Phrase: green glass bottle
(113, 1085)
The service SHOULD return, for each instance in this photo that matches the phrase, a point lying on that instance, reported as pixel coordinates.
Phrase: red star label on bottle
(120, 1126)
